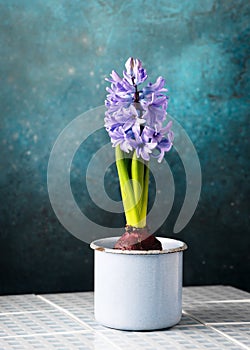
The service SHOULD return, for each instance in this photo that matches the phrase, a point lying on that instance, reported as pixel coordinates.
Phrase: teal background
(54, 58)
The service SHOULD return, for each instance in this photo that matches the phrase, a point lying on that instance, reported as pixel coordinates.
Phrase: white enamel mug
(138, 290)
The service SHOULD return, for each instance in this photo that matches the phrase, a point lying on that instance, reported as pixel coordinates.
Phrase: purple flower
(163, 137)
(134, 117)
(164, 146)
(157, 134)
(142, 147)
(115, 78)
(118, 97)
(120, 137)
(155, 110)
(157, 87)
(135, 74)
(127, 117)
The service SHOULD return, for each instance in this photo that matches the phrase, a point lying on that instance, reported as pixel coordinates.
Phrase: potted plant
(138, 277)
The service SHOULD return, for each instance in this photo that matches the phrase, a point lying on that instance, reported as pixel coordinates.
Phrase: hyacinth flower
(134, 121)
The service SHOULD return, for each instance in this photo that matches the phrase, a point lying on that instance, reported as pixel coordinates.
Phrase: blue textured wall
(54, 57)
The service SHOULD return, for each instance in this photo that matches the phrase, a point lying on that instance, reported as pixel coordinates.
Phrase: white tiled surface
(214, 317)
(193, 295)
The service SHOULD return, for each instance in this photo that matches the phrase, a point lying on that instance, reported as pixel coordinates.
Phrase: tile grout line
(77, 319)
(193, 317)
(42, 334)
(226, 323)
(210, 323)
(192, 325)
(25, 312)
(229, 337)
(236, 301)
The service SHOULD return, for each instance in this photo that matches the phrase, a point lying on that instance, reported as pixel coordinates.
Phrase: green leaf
(137, 176)
(128, 198)
(145, 195)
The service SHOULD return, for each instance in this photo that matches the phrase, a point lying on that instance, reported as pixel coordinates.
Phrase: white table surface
(214, 317)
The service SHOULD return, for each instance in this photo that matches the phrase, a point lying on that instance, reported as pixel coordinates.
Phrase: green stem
(137, 176)
(128, 199)
(144, 206)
